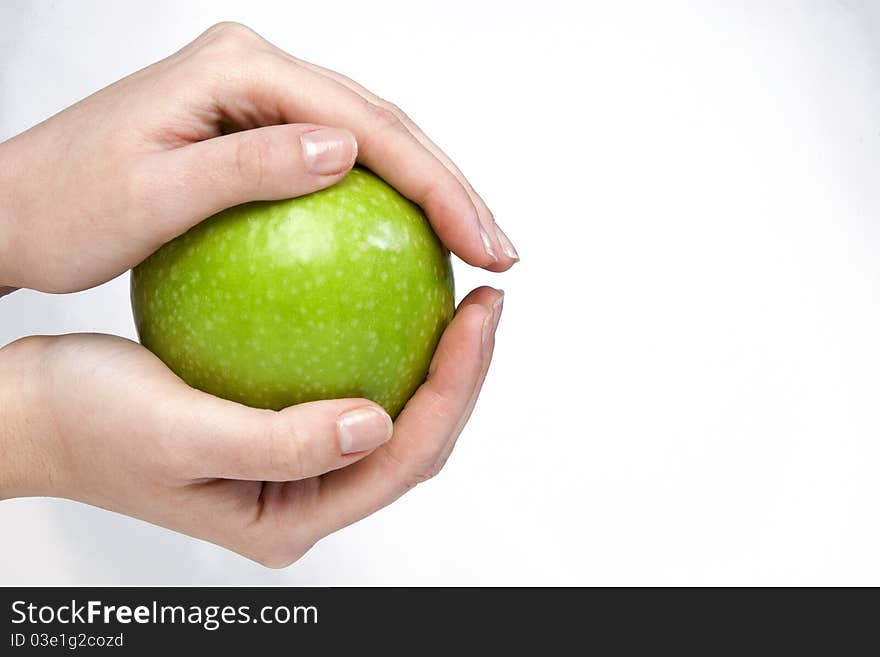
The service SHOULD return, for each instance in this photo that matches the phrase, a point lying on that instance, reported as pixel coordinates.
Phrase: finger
(504, 247)
(190, 183)
(488, 348)
(427, 427)
(220, 438)
(291, 93)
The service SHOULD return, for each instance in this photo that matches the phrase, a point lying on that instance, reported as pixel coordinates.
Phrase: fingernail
(328, 150)
(491, 321)
(363, 429)
(487, 243)
(506, 244)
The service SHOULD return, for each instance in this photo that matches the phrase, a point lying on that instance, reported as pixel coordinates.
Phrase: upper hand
(227, 119)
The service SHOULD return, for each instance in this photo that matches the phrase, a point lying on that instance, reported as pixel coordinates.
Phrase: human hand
(227, 119)
(101, 420)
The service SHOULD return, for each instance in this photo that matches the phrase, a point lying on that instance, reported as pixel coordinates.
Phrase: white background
(686, 387)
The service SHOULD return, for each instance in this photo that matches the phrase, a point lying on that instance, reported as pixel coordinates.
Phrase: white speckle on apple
(254, 303)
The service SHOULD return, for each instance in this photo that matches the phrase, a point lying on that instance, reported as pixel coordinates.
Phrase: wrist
(10, 210)
(26, 461)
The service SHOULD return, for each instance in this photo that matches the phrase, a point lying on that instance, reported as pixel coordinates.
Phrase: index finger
(502, 245)
(269, 86)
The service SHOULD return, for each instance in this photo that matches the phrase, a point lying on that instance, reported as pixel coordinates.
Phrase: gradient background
(686, 385)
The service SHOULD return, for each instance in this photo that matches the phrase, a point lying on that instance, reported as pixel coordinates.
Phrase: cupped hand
(229, 118)
(101, 420)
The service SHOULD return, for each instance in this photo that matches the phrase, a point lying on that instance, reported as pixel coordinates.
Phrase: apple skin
(341, 293)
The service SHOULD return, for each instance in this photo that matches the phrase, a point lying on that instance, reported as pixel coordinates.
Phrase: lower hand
(92, 191)
(99, 419)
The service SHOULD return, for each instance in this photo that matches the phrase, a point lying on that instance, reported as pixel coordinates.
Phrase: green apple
(341, 293)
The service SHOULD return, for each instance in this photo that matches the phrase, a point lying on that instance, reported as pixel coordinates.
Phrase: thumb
(223, 439)
(264, 164)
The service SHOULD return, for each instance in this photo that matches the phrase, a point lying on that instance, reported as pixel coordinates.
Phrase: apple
(341, 293)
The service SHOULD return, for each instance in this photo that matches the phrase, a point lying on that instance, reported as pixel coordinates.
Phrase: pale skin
(95, 189)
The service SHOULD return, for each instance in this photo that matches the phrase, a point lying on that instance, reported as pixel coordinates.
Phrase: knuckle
(427, 471)
(430, 191)
(398, 113)
(231, 34)
(275, 547)
(381, 122)
(276, 560)
(416, 471)
(382, 116)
